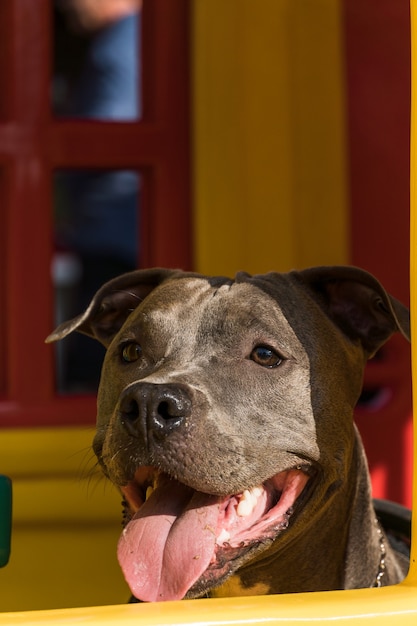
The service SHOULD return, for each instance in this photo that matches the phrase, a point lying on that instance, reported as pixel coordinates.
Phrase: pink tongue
(169, 543)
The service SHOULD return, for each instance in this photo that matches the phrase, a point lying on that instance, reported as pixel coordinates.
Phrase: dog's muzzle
(159, 409)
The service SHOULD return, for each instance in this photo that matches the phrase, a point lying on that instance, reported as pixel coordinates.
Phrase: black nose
(157, 408)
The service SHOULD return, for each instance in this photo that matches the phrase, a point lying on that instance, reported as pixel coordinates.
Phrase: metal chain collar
(382, 555)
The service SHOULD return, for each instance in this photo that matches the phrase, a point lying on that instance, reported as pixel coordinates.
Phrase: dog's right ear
(112, 305)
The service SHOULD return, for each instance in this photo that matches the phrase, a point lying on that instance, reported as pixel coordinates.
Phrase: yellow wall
(66, 523)
(269, 135)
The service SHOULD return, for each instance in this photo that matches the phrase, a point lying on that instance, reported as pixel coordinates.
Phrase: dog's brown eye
(265, 356)
(131, 352)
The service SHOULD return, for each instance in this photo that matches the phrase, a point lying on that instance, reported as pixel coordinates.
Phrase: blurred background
(202, 134)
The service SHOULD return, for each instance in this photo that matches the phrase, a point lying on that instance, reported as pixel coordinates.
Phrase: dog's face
(181, 421)
(215, 417)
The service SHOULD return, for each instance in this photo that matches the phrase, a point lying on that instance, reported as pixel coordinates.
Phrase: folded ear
(112, 305)
(358, 304)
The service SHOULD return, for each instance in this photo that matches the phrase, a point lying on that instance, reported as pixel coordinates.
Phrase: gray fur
(245, 422)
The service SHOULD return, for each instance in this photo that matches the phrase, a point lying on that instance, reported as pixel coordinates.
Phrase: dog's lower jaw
(181, 543)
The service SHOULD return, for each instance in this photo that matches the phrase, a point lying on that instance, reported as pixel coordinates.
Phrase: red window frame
(33, 144)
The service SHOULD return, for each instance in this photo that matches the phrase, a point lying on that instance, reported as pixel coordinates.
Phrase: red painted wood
(377, 36)
(62, 411)
(165, 63)
(33, 145)
(28, 238)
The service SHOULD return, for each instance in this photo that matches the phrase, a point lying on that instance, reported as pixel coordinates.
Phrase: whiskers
(90, 473)
(117, 456)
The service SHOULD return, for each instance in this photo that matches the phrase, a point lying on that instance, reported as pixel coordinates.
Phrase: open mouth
(175, 536)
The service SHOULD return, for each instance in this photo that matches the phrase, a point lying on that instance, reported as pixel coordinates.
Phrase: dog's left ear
(112, 305)
(358, 304)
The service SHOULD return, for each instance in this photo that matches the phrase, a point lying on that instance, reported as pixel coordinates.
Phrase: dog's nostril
(129, 416)
(164, 411)
(167, 415)
(130, 410)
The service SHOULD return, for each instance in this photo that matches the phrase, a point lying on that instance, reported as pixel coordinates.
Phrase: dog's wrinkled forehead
(180, 294)
(213, 312)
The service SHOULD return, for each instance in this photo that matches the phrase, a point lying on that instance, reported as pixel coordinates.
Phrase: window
(37, 147)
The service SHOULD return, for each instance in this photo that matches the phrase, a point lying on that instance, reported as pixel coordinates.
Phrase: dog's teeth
(248, 501)
(246, 504)
(223, 537)
(149, 492)
(244, 508)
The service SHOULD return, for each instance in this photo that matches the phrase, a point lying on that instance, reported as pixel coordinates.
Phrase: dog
(225, 417)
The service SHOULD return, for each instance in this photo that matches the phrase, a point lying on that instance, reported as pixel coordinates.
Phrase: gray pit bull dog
(225, 418)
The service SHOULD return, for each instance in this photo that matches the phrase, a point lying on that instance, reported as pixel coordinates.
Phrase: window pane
(96, 238)
(97, 60)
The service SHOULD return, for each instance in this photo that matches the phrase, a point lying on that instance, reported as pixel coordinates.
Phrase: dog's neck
(370, 560)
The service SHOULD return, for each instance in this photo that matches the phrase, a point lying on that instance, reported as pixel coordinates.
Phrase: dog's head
(218, 406)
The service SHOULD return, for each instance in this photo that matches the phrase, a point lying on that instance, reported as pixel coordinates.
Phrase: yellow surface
(66, 523)
(270, 188)
(379, 607)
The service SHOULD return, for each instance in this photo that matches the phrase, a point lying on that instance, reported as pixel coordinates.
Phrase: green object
(5, 519)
